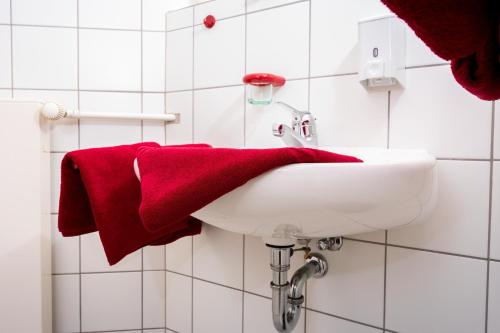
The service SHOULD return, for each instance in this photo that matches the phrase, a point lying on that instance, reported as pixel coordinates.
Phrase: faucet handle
(294, 111)
(278, 130)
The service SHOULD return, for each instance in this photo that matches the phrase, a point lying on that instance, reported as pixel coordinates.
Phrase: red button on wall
(209, 21)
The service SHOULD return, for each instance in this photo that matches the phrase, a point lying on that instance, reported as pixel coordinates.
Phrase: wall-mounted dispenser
(260, 87)
(382, 45)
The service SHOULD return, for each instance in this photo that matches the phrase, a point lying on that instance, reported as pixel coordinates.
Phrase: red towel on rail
(176, 182)
(99, 191)
(467, 32)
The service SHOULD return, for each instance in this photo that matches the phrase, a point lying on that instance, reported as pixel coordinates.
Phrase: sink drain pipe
(287, 297)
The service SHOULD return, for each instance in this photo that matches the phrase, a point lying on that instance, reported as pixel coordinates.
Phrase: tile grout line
(490, 210)
(192, 140)
(386, 233)
(142, 140)
(245, 50)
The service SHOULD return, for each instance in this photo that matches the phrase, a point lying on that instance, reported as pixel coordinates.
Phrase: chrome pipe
(287, 298)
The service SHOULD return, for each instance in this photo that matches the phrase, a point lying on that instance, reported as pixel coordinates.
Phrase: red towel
(176, 182)
(99, 191)
(467, 32)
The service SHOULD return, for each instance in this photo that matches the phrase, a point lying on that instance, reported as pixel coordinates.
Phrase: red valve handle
(209, 21)
(264, 79)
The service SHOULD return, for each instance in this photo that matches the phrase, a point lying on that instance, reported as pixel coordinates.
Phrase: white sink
(392, 188)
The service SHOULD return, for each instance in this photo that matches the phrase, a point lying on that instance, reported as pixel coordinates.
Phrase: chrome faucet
(303, 131)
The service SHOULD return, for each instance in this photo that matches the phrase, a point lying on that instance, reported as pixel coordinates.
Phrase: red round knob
(209, 21)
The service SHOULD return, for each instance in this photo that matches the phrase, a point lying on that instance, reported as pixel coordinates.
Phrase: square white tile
(110, 60)
(495, 213)
(225, 315)
(219, 116)
(153, 257)
(153, 13)
(253, 5)
(219, 53)
(5, 93)
(179, 63)
(180, 18)
(459, 223)
(436, 114)
(103, 132)
(55, 180)
(278, 41)
(218, 256)
(354, 285)
(348, 115)
(56, 69)
(65, 251)
(494, 298)
(258, 275)
(153, 299)
(111, 301)
(94, 259)
(47, 12)
(321, 323)
(153, 62)
(259, 118)
(257, 317)
(497, 129)
(417, 53)
(219, 9)
(5, 60)
(178, 256)
(65, 303)
(428, 292)
(112, 14)
(178, 310)
(334, 34)
(153, 103)
(181, 103)
(5, 11)
(64, 132)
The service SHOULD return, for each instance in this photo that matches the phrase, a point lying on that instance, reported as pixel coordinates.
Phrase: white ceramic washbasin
(391, 188)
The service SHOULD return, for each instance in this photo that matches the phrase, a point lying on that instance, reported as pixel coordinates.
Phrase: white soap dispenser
(382, 49)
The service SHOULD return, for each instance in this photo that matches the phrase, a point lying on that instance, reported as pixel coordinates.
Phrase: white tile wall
(110, 60)
(434, 113)
(111, 301)
(321, 323)
(279, 48)
(218, 257)
(119, 67)
(460, 222)
(347, 115)
(495, 213)
(210, 52)
(5, 59)
(354, 286)
(179, 302)
(497, 130)
(48, 12)
(113, 14)
(494, 298)
(45, 70)
(224, 315)
(334, 33)
(5, 11)
(219, 116)
(65, 303)
(429, 292)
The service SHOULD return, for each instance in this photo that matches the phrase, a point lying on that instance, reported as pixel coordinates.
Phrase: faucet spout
(302, 133)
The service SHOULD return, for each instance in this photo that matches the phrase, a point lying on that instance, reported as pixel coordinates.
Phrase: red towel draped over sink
(466, 32)
(100, 191)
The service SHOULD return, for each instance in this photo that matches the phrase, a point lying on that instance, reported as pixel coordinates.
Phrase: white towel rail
(54, 111)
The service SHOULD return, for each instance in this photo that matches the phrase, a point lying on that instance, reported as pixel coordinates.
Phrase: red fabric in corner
(467, 32)
(100, 192)
(176, 182)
